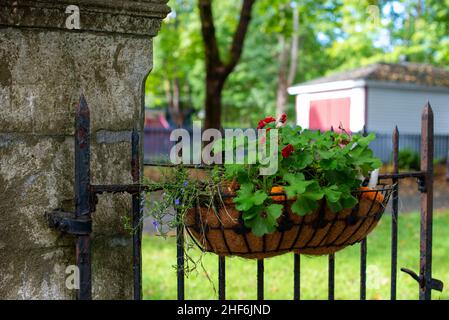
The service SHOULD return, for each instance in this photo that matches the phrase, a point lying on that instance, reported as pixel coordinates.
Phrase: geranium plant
(312, 166)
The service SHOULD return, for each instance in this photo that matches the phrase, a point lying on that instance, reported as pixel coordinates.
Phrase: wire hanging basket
(219, 227)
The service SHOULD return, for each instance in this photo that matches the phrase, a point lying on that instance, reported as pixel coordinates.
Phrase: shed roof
(412, 73)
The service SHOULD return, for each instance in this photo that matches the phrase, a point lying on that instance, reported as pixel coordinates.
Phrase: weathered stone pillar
(44, 67)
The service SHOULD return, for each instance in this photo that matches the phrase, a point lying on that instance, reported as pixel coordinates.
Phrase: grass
(159, 274)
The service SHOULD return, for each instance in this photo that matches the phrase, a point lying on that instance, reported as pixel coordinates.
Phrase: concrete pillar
(45, 64)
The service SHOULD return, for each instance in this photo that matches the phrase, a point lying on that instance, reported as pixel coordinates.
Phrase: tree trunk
(173, 94)
(281, 94)
(214, 89)
(287, 65)
(217, 71)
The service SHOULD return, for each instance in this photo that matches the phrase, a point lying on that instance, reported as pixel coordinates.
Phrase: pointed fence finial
(427, 111)
(82, 109)
(395, 141)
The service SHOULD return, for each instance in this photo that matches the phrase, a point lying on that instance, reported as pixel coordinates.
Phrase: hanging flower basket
(304, 193)
(220, 228)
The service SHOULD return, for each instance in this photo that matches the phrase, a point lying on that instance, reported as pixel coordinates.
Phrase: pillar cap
(134, 17)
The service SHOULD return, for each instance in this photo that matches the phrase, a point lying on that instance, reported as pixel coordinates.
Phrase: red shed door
(328, 113)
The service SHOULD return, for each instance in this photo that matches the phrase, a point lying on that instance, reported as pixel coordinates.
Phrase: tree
(288, 61)
(177, 61)
(218, 71)
(332, 36)
(419, 31)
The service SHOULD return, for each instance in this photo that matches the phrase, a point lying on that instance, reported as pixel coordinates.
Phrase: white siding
(357, 109)
(388, 107)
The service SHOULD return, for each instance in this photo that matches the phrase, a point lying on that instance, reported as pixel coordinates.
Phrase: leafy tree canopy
(334, 35)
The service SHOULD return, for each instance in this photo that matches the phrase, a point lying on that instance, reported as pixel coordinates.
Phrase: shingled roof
(413, 73)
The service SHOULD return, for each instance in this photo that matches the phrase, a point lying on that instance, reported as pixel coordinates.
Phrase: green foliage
(311, 167)
(409, 160)
(178, 193)
(334, 35)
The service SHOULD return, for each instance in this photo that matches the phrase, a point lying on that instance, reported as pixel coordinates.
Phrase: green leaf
(326, 154)
(304, 205)
(297, 184)
(365, 141)
(328, 164)
(261, 223)
(247, 198)
(332, 194)
(274, 211)
(259, 197)
(252, 213)
(313, 191)
(302, 159)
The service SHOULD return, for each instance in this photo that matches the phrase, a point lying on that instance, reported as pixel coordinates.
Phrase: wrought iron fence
(79, 223)
(383, 148)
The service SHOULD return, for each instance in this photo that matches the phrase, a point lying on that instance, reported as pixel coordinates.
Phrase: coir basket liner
(219, 228)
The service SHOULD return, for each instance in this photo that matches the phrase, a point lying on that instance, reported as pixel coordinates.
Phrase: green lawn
(159, 276)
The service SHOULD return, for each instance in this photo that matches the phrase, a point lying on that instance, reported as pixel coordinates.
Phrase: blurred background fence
(382, 146)
(157, 145)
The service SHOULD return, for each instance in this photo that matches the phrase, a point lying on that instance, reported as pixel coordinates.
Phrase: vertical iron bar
(180, 258)
(82, 197)
(425, 260)
(363, 253)
(296, 276)
(137, 216)
(260, 278)
(221, 278)
(331, 277)
(395, 216)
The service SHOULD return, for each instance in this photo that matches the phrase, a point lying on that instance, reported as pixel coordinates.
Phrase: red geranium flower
(269, 119)
(287, 151)
(283, 118)
(265, 121)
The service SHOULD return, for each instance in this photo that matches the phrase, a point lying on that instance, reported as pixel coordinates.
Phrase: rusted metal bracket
(118, 188)
(422, 186)
(66, 222)
(132, 189)
(419, 175)
(434, 284)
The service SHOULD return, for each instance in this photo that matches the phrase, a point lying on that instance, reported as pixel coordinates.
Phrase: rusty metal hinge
(434, 284)
(66, 222)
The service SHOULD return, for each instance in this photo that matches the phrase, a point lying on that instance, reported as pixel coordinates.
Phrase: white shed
(379, 96)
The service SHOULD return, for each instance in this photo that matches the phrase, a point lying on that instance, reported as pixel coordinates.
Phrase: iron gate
(79, 223)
